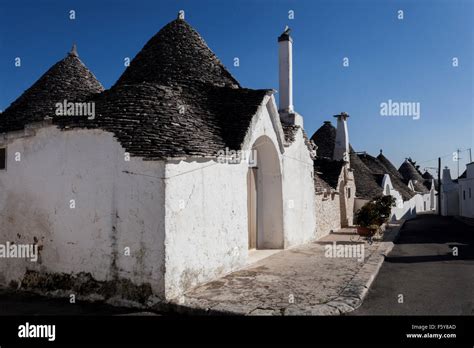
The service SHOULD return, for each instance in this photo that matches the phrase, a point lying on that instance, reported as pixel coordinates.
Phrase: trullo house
(175, 178)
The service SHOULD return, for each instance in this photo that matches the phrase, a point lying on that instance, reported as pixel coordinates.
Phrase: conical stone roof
(427, 175)
(176, 55)
(390, 167)
(175, 100)
(379, 169)
(325, 138)
(69, 79)
(409, 172)
(366, 183)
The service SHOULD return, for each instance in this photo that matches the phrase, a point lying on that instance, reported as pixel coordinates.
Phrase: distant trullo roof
(67, 79)
(390, 167)
(365, 182)
(427, 175)
(367, 185)
(379, 169)
(409, 172)
(325, 138)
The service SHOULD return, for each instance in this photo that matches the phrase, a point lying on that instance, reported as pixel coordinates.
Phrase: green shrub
(375, 213)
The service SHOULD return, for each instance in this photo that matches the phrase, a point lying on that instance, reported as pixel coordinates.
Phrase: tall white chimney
(285, 57)
(341, 146)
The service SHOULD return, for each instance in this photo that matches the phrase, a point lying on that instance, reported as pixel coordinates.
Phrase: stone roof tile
(325, 138)
(409, 172)
(380, 168)
(69, 79)
(177, 54)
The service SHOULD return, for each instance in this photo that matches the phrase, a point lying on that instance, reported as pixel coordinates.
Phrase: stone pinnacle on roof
(73, 51)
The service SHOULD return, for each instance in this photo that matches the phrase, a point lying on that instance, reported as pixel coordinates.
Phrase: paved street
(299, 281)
(422, 268)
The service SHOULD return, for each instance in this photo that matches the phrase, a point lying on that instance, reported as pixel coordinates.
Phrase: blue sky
(407, 60)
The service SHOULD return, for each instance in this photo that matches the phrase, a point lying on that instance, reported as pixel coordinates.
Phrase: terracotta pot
(365, 231)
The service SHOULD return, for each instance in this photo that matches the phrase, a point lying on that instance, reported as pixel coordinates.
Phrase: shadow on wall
(409, 214)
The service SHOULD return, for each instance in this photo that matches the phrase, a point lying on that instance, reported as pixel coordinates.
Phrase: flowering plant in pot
(373, 215)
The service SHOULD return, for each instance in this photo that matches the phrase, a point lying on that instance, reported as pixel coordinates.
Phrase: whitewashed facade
(466, 192)
(105, 219)
(449, 195)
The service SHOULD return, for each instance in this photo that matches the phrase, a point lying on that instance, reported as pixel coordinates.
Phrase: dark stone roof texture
(67, 79)
(158, 122)
(427, 175)
(325, 138)
(409, 172)
(389, 166)
(320, 185)
(379, 170)
(366, 183)
(175, 99)
(328, 170)
(177, 54)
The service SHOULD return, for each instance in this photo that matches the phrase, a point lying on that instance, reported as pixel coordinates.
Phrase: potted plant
(373, 215)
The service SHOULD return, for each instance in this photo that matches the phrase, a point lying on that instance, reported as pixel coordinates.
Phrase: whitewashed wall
(206, 208)
(450, 202)
(201, 204)
(348, 183)
(209, 236)
(118, 204)
(466, 204)
(299, 204)
(206, 221)
(359, 203)
(466, 192)
(409, 209)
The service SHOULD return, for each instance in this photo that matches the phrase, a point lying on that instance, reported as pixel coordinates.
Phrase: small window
(348, 192)
(469, 192)
(3, 158)
(464, 195)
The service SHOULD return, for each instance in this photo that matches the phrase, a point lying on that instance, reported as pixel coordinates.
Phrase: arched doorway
(265, 199)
